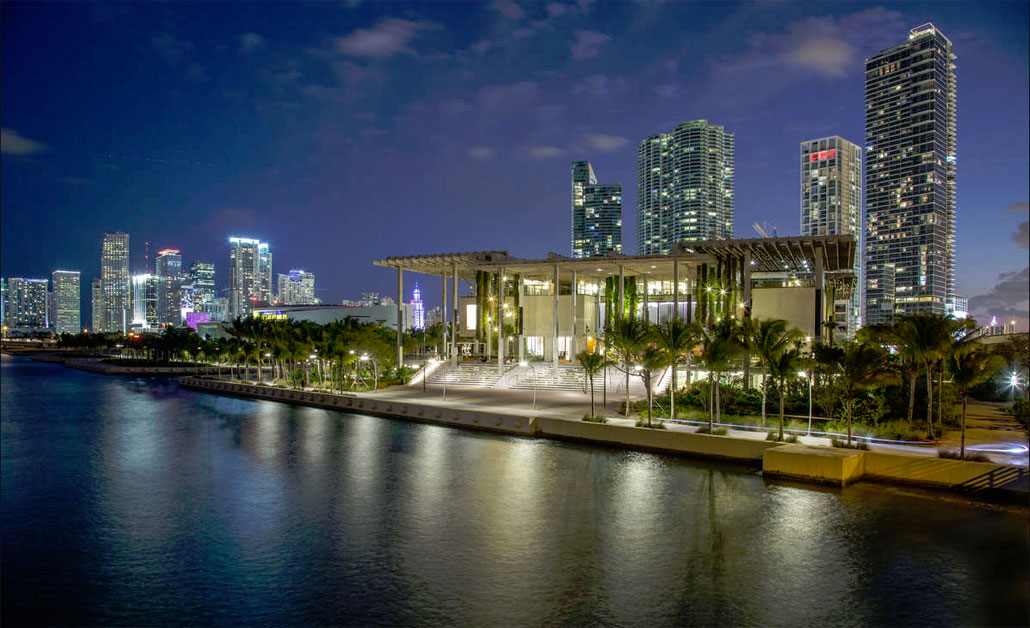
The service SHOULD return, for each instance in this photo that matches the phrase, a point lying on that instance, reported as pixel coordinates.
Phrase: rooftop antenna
(146, 257)
(763, 229)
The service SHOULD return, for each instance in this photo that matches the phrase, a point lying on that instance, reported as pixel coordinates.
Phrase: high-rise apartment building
(831, 204)
(27, 305)
(250, 275)
(685, 187)
(114, 275)
(66, 295)
(97, 303)
(202, 276)
(297, 288)
(144, 301)
(168, 266)
(596, 214)
(910, 177)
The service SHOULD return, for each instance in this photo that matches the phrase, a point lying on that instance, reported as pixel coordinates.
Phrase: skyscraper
(144, 301)
(168, 264)
(596, 214)
(202, 276)
(297, 288)
(97, 302)
(66, 295)
(250, 275)
(418, 309)
(27, 303)
(910, 177)
(114, 276)
(684, 187)
(831, 204)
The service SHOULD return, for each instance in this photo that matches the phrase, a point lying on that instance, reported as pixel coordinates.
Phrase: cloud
(508, 9)
(599, 86)
(76, 181)
(1009, 298)
(12, 143)
(481, 152)
(588, 44)
(827, 56)
(1022, 235)
(1021, 207)
(605, 143)
(544, 152)
(385, 39)
(170, 48)
(554, 9)
(495, 99)
(249, 42)
(482, 46)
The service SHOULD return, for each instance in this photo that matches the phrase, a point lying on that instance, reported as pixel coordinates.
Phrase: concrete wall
(703, 445)
(794, 305)
(923, 470)
(827, 465)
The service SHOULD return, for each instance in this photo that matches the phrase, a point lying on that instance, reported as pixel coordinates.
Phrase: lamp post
(532, 368)
(375, 370)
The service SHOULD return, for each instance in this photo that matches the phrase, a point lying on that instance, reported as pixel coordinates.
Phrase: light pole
(533, 369)
(375, 370)
(809, 376)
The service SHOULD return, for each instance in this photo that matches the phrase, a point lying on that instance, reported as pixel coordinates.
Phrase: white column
(747, 284)
(554, 337)
(572, 346)
(400, 317)
(675, 288)
(522, 331)
(454, 312)
(443, 317)
(500, 321)
(647, 312)
(622, 290)
(820, 293)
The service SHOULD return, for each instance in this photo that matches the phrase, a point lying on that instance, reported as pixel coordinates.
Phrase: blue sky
(343, 133)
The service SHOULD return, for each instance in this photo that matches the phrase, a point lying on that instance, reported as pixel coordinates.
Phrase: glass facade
(202, 276)
(169, 287)
(26, 303)
(114, 276)
(66, 296)
(297, 288)
(596, 214)
(910, 177)
(685, 187)
(250, 275)
(831, 204)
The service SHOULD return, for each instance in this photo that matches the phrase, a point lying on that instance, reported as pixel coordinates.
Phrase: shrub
(719, 431)
(842, 443)
(787, 438)
(594, 419)
(951, 454)
(655, 424)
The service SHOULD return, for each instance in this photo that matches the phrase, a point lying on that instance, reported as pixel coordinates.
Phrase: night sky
(343, 133)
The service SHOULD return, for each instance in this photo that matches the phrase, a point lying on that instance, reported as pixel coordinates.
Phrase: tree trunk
(911, 396)
(718, 397)
(711, 400)
(781, 409)
(627, 387)
(672, 393)
(940, 397)
(962, 446)
(763, 394)
(647, 382)
(929, 400)
(592, 413)
(848, 412)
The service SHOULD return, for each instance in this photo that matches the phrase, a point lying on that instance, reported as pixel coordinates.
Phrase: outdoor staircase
(563, 377)
(1001, 478)
(480, 375)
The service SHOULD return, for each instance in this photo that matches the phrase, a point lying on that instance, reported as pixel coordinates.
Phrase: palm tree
(771, 338)
(923, 337)
(677, 339)
(652, 360)
(627, 339)
(784, 366)
(862, 368)
(970, 364)
(592, 364)
(719, 348)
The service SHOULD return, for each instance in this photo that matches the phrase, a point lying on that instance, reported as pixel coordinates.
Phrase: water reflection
(160, 506)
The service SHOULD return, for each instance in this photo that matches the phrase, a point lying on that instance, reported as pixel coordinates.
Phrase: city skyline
(802, 70)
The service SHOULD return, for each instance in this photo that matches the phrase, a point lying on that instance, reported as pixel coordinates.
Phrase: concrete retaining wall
(923, 470)
(96, 366)
(702, 445)
(826, 465)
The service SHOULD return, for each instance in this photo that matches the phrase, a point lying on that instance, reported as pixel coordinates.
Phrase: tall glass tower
(831, 204)
(596, 213)
(66, 295)
(910, 177)
(169, 284)
(685, 187)
(114, 276)
(250, 275)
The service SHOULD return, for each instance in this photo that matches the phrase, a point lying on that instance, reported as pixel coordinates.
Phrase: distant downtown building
(144, 301)
(910, 177)
(296, 288)
(26, 303)
(97, 303)
(685, 187)
(250, 275)
(66, 295)
(168, 266)
(202, 276)
(831, 204)
(596, 214)
(116, 306)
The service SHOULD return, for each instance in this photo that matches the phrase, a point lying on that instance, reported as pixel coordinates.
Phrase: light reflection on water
(132, 502)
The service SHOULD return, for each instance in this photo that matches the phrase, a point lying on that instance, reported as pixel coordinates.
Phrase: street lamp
(532, 368)
(375, 370)
(809, 377)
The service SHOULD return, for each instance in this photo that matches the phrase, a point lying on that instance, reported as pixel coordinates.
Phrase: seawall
(819, 464)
